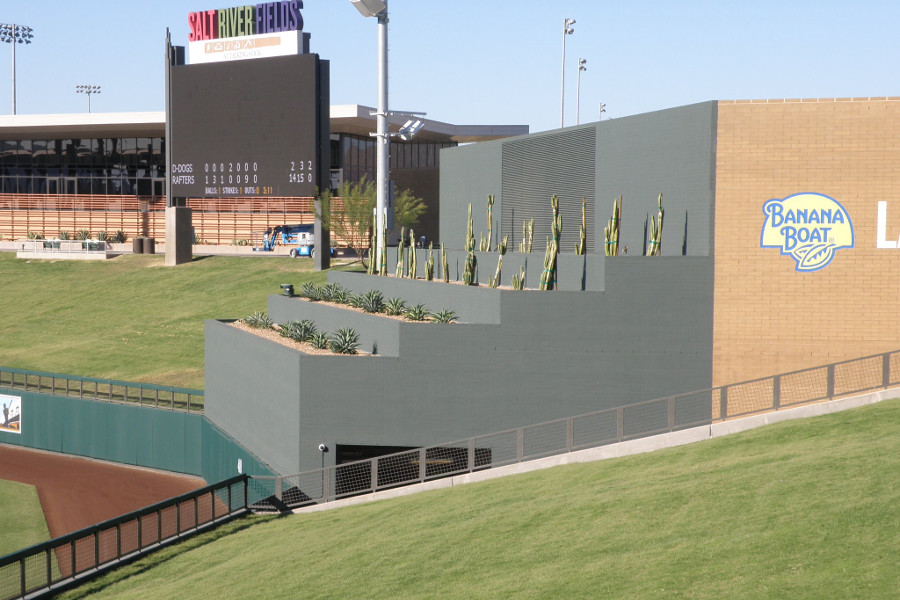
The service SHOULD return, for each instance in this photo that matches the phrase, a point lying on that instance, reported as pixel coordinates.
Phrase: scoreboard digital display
(249, 128)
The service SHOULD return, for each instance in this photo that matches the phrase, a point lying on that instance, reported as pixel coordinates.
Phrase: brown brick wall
(768, 317)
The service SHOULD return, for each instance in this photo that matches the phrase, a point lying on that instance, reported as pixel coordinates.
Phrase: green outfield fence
(108, 390)
(44, 569)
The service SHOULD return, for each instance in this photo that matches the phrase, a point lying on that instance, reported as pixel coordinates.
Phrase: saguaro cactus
(611, 232)
(429, 264)
(412, 254)
(490, 221)
(654, 245)
(527, 236)
(581, 246)
(399, 271)
(469, 277)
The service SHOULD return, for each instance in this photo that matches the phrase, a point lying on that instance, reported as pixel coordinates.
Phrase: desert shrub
(299, 331)
(344, 341)
(444, 316)
(319, 340)
(258, 320)
(372, 301)
(311, 291)
(417, 313)
(395, 306)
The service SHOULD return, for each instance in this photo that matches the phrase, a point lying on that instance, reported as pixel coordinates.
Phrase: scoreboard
(250, 128)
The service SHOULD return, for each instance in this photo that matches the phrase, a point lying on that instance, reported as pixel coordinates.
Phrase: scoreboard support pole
(179, 233)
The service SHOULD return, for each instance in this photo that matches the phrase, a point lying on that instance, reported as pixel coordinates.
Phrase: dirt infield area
(78, 492)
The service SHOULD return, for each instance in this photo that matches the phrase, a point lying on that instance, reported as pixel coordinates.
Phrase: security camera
(323, 448)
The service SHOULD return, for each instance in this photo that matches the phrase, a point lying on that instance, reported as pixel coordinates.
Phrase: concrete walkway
(638, 446)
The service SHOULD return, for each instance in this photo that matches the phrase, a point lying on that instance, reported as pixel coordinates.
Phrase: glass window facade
(357, 155)
(83, 166)
(137, 166)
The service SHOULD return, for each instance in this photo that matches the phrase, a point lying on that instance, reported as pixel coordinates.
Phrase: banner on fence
(11, 420)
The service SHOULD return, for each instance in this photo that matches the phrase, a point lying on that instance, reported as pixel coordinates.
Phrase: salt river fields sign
(242, 32)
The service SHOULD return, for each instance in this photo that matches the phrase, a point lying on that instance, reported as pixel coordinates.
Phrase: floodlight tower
(567, 30)
(13, 34)
(378, 8)
(581, 67)
(87, 89)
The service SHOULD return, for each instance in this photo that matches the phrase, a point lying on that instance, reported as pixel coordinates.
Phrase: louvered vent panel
(536, 168)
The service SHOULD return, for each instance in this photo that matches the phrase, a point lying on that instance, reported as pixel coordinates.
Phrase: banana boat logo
(808, 227)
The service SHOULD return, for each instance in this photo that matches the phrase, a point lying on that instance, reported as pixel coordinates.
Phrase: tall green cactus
(469, 272)
(412, 254)
(370, 268)
(654, 245)
(527, 236)
(581, 246)
(490, 220)
(518, 280)
(501, 246)
(429, 264)
(611, 232)
(495, 280)
(445, 270)
(399, 271)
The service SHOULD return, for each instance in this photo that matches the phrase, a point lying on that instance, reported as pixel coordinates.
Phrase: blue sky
(487, 61)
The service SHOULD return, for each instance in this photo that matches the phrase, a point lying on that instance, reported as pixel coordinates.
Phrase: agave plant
(299, 331)
(344, 341)
(258, 320)
(102, 236)
(63, 235)
(395, 306)
(331, 290)
(319, 340)
(417, 313)
(444, 316)
(311, 291)
(83, 234)
(372, 301)
(354, 300)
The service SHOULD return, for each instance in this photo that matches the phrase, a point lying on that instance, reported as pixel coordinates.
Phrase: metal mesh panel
(128, 537)
(544, 439)
(352, 478)
(168, 522)
(644, 418)
(84, 554)
(205, 509)
(693, 409)
(304, 488)
(750, 397)
(443, 460)
(496, 449)
(894, 368)
(805, 386)
(857, 375)
(149, 530)
(108, 546)
(595, 429)
(35, 572)
(10, 581)
(398, 468)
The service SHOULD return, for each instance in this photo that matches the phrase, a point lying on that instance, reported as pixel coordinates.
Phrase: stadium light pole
(87, 89)
(13, 34)
(378, 8)
(567, 30)
(581, 67)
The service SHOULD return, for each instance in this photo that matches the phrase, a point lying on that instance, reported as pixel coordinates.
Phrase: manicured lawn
(130, 318)
(804, 509)
(22, 522)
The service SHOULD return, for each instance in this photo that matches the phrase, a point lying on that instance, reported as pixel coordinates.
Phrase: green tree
(351, 219)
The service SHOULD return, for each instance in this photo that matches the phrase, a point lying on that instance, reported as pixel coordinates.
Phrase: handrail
(598, 428)
(44, 568)
(109, 390)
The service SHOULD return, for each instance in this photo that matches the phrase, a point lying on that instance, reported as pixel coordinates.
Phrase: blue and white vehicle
(301, 236)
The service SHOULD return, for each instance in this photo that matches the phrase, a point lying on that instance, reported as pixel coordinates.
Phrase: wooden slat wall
(215, 221)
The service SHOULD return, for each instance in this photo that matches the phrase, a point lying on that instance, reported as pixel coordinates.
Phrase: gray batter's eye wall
(517, 358)
(671, 151)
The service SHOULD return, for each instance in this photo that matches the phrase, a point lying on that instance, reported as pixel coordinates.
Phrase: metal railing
(595, 429)
(108, 390)
(43, 569)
